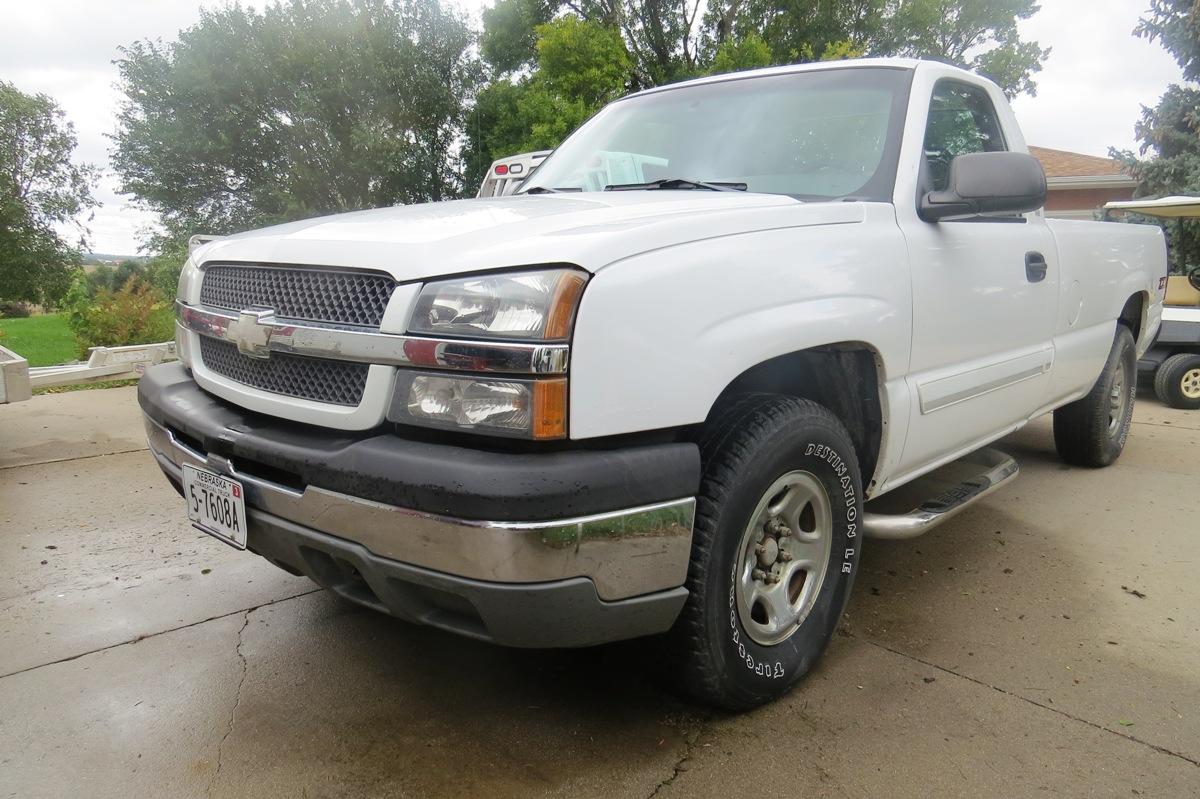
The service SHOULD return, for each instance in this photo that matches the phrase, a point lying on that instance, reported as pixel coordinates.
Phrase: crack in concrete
(71, 458)
(237, 700)
(1168, 425)
(1160, 749)
(688, 748)
(156, 634)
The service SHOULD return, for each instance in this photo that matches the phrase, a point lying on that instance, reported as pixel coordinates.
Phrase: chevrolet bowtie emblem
(252, 332)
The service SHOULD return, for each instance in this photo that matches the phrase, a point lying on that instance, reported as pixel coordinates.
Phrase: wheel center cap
(769, 553)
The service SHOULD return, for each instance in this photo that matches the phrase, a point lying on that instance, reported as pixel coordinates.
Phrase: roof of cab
(850, 63)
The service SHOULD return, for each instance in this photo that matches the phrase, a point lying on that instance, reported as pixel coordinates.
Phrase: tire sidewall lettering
(838, 481)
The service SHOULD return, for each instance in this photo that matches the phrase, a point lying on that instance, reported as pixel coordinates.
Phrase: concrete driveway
(1044, 643)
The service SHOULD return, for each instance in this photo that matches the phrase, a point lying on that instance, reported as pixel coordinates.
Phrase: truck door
(985, 294)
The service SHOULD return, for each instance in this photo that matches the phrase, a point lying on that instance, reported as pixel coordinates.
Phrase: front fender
(662, 334)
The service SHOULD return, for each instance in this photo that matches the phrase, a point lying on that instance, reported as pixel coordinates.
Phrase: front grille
(302, 294)
(317, 379)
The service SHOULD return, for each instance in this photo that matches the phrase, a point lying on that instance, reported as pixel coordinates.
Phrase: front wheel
(774, 553)
(1091, 431)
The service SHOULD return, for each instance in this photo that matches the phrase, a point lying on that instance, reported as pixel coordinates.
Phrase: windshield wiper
(548, 190)
(678, 183)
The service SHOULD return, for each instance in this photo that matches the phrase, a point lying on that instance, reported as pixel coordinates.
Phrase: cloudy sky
(1089, 93)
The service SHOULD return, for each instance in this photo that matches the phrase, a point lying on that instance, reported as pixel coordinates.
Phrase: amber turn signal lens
(563, 306)
(549, 409)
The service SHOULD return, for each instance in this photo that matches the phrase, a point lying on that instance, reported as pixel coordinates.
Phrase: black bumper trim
(432, 478)
(564, 613)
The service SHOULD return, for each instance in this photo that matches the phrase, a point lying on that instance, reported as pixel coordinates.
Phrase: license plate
(216, 505)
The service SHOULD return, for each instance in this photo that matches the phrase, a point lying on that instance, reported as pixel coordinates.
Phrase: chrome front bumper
(625, 553)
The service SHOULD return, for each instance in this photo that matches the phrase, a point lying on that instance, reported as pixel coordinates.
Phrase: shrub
(136, 313)
(163, 269)
(77, 300)
(14, 309)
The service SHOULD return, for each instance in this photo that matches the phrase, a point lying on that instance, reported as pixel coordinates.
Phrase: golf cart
(1173, 361)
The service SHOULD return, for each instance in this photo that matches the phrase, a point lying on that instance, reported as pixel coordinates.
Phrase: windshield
(824, 134)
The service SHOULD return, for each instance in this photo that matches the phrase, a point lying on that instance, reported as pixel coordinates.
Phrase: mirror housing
(987, 183)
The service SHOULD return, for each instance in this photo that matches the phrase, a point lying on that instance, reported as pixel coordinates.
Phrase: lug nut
(758, 574)
(785, 556)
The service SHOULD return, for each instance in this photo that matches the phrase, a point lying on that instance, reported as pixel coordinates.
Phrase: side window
(961, 120)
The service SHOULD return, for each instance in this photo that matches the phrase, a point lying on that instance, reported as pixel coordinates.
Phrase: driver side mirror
(987, 183)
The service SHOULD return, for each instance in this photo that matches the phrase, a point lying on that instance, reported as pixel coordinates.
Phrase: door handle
(1035, 267)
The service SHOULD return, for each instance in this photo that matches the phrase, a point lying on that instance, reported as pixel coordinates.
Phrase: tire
(731, 650)
(1091, 431)
(1177, 381)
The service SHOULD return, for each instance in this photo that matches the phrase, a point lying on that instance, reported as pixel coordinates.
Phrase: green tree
(309, 107)
(1168, 160)
(980, 35)
(1175, 24)
(582, 60)
(669, 40)
(734, 55)
(579, 67)
(509, 39)
(801, 30)
(41, 192)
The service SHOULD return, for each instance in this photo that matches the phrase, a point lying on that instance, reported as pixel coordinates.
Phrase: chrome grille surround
(317, 379)
(386, 349)
(310, 294)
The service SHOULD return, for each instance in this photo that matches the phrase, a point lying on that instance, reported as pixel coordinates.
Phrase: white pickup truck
(653, 392)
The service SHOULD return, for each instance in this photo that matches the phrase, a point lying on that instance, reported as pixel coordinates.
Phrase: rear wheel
(774, 552)
(1177, 381)
(1091, 431)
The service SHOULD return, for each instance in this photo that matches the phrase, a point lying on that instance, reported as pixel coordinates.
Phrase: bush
(14, 309)
(114, 277)
(162, 271)
(77, 300)
(136, 313)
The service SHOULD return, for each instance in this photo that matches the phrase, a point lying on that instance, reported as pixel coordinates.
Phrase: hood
(592, 230)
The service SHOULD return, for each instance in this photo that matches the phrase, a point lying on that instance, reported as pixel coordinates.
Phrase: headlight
(523, 306)
(189, 275)
(500, 406)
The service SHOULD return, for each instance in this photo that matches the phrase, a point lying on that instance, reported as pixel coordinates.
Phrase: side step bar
(997, 469)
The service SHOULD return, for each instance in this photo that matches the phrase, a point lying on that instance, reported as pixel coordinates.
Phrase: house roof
(1064, 164)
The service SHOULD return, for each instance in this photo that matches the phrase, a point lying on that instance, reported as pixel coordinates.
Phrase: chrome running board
(996, 470)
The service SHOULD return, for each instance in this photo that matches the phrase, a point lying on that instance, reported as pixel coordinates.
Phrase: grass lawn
(43, 340)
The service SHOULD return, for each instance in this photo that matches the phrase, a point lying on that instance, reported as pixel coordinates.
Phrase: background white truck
(505, 174)
(654, 391)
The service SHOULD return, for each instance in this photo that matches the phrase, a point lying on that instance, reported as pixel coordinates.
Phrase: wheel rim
(1190, 383)
(1118, 403)
(783, 557)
